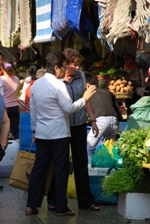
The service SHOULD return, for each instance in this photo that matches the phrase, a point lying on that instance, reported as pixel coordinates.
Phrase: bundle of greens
(132, 177)
(113, 73)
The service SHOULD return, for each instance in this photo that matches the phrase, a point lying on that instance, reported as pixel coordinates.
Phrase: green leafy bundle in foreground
(132, 177)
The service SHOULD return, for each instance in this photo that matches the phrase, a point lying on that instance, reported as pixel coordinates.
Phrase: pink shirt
(11, 86)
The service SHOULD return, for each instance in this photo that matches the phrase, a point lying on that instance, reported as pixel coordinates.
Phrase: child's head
(90, 79)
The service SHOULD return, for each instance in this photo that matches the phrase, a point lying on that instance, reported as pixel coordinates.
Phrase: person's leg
(112, 129)
(79, 156)
(13, 114)
(39, 173)
(60, 156)
(103, 124)
(51, 195)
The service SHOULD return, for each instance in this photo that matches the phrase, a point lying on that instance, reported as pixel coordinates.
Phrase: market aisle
(13, 205)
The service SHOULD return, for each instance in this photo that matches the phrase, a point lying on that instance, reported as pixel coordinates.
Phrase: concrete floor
(13, 206)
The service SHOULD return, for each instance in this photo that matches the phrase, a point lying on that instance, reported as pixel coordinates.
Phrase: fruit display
(120, 86)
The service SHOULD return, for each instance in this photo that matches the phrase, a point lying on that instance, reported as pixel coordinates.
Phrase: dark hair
(91, 79)
(54, 59)
(85, 51)
(71, 55)
(32, 71)
(1, 53)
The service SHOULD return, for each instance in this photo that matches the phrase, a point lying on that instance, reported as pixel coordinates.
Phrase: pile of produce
(113, 73)
(132, 146)
(120, 86)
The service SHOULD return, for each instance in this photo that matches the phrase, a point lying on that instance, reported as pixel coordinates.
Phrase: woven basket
(96, 190)
(123, 95)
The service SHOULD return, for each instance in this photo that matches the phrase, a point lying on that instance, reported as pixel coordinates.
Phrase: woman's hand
(89, 92)
(33, 137)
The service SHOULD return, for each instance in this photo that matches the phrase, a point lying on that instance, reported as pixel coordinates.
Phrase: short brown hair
(71, 55)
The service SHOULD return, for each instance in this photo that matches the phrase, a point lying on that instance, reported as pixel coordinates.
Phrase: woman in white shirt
(50, 104)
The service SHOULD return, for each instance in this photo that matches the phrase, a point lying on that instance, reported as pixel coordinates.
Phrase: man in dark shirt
(107, 113)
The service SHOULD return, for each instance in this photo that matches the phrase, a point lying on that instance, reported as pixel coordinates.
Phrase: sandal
(94, 208)
(51, 207)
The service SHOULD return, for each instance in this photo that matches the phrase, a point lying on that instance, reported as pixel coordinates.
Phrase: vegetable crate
(96, 175)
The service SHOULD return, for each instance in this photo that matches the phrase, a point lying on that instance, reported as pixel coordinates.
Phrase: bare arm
(4, 130)
(92, 117)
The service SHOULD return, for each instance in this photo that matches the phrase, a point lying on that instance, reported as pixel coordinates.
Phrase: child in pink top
(11, 86)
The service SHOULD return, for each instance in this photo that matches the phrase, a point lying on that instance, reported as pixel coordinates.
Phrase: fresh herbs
(113, 73)
(130, 178)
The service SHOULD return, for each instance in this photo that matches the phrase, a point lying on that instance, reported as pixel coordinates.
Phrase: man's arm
(92, 118)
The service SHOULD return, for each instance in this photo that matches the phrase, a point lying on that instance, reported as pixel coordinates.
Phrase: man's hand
(95, 129)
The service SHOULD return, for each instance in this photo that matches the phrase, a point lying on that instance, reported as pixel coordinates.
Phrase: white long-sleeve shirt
(50, 104)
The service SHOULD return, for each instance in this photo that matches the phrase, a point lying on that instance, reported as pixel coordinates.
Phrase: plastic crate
(96, 176)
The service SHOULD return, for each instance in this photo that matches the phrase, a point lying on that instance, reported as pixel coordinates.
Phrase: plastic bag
(71, 189)
(118, 160)
(102, 158)
(110, 144)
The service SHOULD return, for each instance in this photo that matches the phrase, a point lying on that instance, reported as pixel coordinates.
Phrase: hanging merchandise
(86, 25)
(25, 24)
(59, 23)
(66, 15)
(43, 21)
(140, 23)
(6, 22)
(16, 31)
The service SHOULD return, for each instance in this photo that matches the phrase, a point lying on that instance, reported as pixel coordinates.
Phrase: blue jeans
(108, 127)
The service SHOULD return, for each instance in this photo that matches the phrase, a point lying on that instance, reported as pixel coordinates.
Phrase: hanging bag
(71, 189)
(20, 175)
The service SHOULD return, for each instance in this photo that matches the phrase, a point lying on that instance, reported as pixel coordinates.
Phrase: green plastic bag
(102, 158)
(118, 160)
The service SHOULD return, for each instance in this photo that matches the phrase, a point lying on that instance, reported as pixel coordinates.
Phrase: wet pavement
(13, 206)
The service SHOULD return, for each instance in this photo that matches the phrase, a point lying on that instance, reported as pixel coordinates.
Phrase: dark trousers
(80, 161)
(14, 115)
(58, 151)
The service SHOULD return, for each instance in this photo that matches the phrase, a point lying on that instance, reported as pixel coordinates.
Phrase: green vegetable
(132, 177)
(113, 73)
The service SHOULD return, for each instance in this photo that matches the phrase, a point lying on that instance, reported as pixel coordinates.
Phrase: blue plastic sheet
(68, 16)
